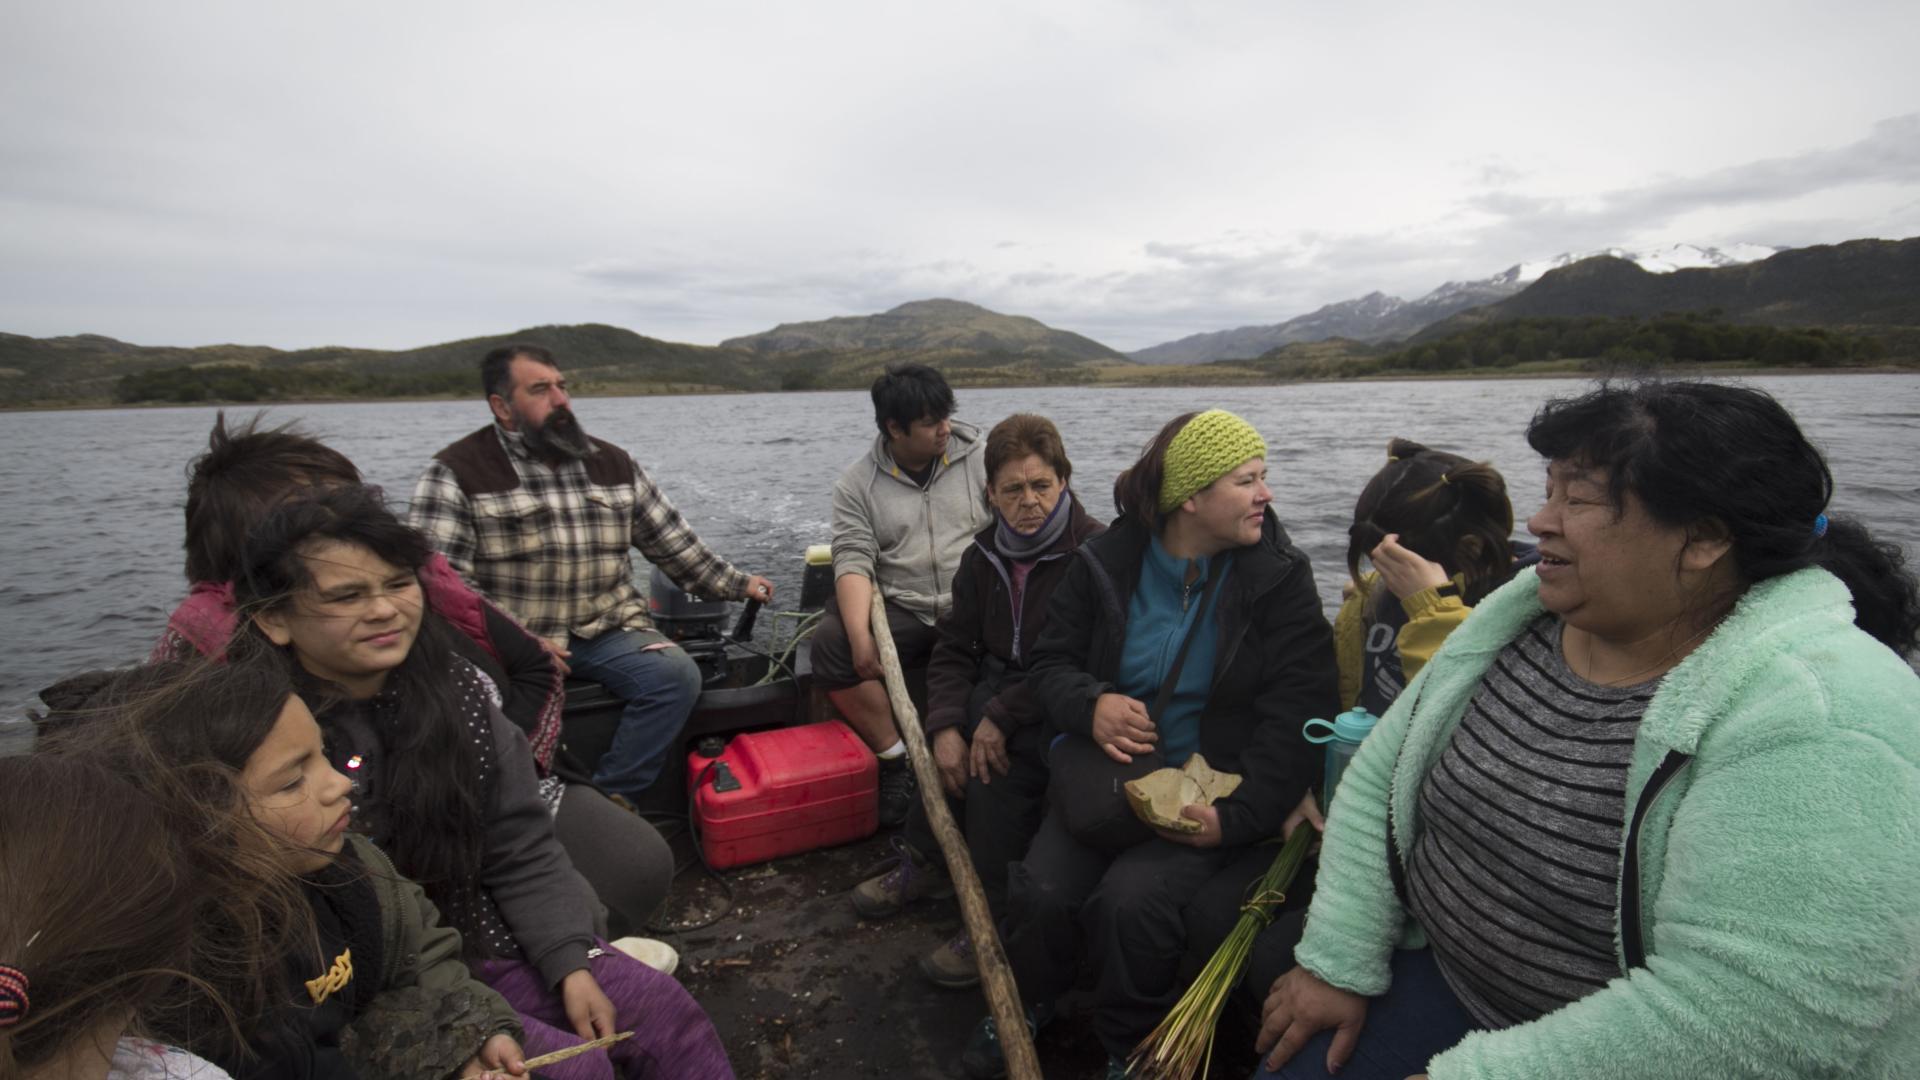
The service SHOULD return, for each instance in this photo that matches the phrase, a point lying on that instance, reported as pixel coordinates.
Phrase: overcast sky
(399, 173)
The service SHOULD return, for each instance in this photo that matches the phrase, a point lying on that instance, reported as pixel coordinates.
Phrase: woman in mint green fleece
(1703, 651)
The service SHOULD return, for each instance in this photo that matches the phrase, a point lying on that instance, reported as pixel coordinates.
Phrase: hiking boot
(983, 1059)
(951, 965)
(907, 879)
(898, 792)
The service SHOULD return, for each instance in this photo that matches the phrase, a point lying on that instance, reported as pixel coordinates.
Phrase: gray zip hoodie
(904, 538)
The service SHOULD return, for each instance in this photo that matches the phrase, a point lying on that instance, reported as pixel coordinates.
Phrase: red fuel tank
(780, 792)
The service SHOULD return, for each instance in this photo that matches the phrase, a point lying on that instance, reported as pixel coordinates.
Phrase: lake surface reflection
(90, 543)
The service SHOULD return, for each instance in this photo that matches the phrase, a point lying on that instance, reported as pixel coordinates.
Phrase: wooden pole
(996, 977)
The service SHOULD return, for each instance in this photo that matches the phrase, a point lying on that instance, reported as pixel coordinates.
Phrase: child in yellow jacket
(1435, 527)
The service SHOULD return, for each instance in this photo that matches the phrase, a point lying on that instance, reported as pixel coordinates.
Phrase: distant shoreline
(1496, 375)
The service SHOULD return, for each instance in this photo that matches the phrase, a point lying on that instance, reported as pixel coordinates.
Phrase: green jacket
(1769, 916)
(420, 950)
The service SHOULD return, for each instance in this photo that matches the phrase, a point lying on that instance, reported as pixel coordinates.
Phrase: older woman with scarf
(1654, 810)
(986, 729)
(1192, 625)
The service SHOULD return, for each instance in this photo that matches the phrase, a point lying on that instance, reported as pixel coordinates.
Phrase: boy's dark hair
(245, 472)
(1696, 453)
(1445, 508)
(909, 392)
(496, 368)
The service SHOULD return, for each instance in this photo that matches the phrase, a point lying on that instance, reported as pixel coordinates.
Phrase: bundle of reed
(1182, 1046)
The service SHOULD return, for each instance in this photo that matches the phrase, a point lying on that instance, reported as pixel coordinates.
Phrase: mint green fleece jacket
(1779, 867)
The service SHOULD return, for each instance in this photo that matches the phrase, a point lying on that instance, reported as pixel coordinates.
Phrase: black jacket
(1273, 668)
(979, 631)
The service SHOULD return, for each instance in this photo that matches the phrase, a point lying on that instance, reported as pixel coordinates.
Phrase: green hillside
(932, 327)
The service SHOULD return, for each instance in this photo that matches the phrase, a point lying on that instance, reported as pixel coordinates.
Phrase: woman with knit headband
(1191, 625)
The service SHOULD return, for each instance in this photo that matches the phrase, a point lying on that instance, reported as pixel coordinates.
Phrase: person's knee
(1129, 902)
(684, 673)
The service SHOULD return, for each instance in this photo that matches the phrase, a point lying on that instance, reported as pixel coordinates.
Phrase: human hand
(1308, 811)
(758, 588)
(989, 752)
(561, 654)
(1209, 834)
(866, 656)
(1405, 572)
(950, 754)
(500, 1054)
(1301, 1006)
(588, 1009)
(1121, 727)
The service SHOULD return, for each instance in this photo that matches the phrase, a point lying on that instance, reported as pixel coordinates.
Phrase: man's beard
(558, 437)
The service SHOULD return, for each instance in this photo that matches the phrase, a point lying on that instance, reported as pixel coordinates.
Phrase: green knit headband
(1212, 445)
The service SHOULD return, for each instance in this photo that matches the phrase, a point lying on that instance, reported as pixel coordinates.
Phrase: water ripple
(90, 545)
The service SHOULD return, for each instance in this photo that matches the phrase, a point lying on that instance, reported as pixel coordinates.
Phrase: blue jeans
(1416, 1019)
(659, 687)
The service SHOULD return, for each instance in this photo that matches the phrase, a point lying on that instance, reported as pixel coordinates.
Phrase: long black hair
(181, 732)
(97, 903)
(1445, 508)
(435, 820)
(1696, 452)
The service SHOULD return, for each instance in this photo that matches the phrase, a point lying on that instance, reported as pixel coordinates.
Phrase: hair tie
(13, 995)
(1819, 526)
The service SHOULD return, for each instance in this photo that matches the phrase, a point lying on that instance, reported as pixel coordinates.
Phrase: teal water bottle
(1343, 736)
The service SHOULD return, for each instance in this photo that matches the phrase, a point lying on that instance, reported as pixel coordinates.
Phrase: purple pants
(672, 1037)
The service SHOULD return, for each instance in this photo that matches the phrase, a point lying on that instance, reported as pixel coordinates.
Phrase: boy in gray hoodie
(902, 515)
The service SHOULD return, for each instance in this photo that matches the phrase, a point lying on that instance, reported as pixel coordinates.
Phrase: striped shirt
(1513, 875)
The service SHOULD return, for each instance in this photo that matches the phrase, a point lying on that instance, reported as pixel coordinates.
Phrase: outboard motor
(816, 582)
(696, 625)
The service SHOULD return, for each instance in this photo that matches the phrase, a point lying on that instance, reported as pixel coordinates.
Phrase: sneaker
(982, 1058)
(908, 879)
(652, 952)
(898, 791)
(951, 965)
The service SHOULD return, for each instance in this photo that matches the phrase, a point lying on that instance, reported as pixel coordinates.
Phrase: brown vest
(481, 465)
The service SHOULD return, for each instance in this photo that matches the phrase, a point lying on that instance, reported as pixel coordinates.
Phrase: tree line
(235, 382)
(1613, 342)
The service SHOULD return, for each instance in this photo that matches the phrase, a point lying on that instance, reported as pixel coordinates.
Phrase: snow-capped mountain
(1658, 261)
(1378, 317)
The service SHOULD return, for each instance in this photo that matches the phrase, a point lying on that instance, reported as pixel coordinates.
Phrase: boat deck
(800, 986)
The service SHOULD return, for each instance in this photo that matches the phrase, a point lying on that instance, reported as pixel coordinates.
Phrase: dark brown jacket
(982, 639)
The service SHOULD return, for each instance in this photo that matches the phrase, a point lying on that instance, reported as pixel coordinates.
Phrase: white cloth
(143, 1059)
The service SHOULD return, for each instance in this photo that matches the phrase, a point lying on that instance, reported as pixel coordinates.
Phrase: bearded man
(542, 518)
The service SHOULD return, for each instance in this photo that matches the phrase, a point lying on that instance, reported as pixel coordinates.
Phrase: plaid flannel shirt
(555, 551)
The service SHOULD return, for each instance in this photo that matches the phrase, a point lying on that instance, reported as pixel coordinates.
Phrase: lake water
(90, 541)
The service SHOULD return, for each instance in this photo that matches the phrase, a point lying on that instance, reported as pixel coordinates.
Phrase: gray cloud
(382, 175)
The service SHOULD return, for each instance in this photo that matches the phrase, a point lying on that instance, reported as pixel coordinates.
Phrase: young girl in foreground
(96, 917)
(343, 969)
(442, 780)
